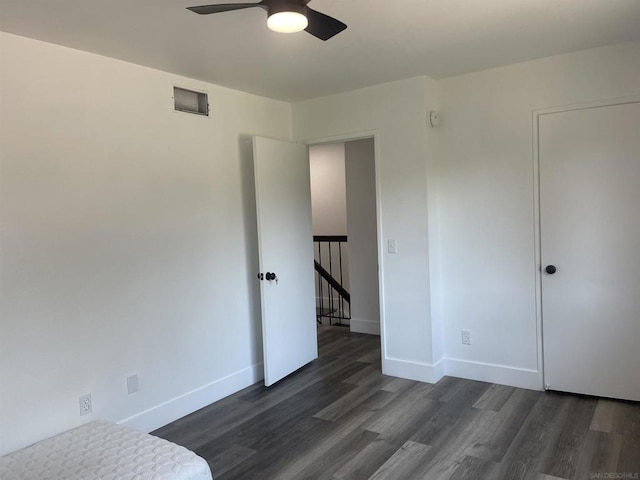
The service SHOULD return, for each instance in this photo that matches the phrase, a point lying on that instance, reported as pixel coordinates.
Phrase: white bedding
(103, 451)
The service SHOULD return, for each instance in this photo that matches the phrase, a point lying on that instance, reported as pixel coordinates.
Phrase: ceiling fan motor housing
(278, 7)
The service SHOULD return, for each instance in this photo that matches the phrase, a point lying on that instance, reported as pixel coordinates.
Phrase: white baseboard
(187, 403)
(484, 372)
(328, 321)
(182, 405)
(487, 372)
(421, 372)
(370, 327)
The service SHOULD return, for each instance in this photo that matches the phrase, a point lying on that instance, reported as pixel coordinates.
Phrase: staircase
(332, 298)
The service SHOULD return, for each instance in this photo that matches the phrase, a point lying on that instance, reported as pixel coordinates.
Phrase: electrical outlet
(466, 337)
(85, 404)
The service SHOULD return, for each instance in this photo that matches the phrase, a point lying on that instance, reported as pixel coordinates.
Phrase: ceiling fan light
(287, 21)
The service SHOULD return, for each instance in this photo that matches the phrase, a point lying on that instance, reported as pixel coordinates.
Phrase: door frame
(537, 225)
(347, 137)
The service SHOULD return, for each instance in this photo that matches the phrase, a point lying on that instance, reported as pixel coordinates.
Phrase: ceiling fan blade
(323, 26)
(223, 7)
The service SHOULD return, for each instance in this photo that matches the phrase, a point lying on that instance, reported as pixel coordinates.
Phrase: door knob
(261, 276)
(270, 276)
(550, 269)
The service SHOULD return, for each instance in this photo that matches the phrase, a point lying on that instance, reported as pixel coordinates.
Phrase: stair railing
(330, 280)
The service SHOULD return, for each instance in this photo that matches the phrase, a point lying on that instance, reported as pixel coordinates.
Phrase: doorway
(345, 229)
(290, 337)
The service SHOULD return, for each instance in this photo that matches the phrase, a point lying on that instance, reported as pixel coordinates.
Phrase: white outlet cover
(85, 404)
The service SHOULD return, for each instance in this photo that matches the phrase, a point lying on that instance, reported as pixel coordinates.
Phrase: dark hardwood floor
(340, 418)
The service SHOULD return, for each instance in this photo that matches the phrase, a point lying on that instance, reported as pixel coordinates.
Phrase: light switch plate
(392, 246)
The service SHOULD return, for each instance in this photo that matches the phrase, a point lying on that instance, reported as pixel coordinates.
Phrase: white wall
(460, 201)
(127, 241)
(360, 174)
(485, 189)
(118, 216)
(396, 113)
(328, 189)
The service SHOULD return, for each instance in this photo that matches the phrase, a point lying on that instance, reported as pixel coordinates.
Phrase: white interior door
(590, 231)
(285, 241)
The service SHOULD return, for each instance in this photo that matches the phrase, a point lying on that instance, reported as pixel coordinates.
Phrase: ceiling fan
(285, 16)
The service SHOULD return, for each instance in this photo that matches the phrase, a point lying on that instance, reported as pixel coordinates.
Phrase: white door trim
(536, 114)
(347, 137)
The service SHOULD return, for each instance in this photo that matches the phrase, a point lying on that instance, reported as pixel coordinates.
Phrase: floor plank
(599, 454)
(230, 458)
(472, 468)
(494, 398)
(401, 463)
(568, 445)
(340, 418)
(493, 441)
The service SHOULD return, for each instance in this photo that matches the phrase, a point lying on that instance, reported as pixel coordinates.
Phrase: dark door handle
(261, 276)
(551, 269)
(270, 276)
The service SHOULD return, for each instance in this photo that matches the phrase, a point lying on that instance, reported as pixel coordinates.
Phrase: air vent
(191, 102)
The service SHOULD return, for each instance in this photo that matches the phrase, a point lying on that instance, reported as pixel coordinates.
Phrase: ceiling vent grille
(190, 102)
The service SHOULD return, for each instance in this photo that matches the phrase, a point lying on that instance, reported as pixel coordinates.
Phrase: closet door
(590, 249)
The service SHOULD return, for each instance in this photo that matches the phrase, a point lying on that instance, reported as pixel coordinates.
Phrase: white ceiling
(385, 40)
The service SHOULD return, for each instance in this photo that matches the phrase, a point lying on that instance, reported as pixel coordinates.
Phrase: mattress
(105, 451)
